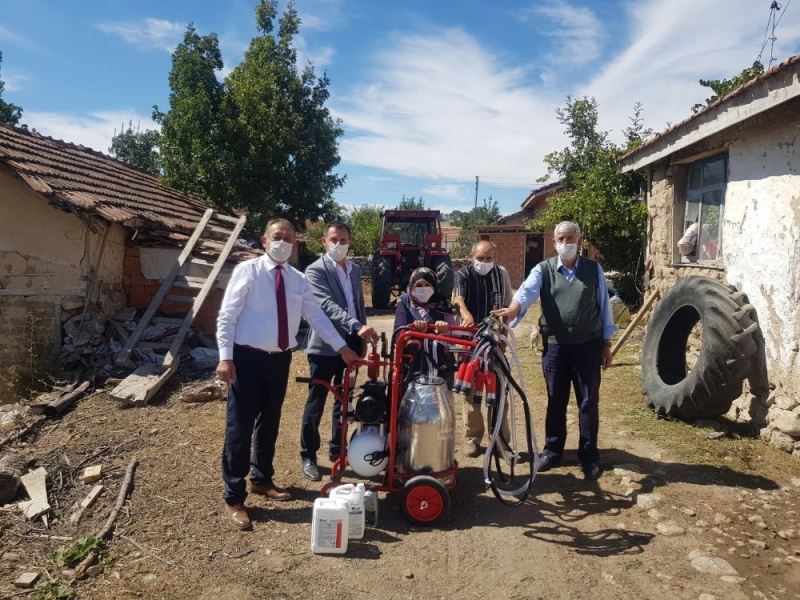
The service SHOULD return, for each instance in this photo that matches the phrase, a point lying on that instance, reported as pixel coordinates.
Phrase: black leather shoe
(310, 469)
(548, 461)
(591, 471)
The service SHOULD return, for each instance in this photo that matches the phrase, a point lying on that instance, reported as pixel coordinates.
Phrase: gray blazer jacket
(326, 285)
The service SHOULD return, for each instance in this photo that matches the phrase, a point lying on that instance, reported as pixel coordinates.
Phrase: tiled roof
(82, 180)
(720, 101)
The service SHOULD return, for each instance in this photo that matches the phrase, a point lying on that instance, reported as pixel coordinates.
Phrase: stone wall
(760, 252)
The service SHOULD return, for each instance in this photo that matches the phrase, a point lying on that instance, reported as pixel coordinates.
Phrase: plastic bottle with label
(329, 526)
(353, 497)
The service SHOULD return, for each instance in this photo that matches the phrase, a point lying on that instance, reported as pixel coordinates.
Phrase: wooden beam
(635, 321)
(85, 504)
(138, 388)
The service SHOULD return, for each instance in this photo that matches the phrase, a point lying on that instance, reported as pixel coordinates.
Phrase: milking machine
(403, 422)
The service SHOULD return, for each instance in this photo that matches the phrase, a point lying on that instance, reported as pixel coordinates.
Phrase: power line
(770, 35)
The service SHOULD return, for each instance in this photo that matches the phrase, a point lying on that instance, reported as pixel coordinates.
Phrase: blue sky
(431, 93)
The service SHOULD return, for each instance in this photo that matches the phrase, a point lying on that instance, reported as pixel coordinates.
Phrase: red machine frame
(427, 501)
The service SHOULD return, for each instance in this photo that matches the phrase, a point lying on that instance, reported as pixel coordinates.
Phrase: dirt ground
(667, 491)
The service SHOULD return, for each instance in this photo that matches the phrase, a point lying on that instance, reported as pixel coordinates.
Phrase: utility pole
(477, 179)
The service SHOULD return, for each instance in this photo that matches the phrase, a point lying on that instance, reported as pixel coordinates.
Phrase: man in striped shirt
(479, 288)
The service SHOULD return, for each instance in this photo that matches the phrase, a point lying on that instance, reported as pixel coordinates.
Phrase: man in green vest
(576, 327)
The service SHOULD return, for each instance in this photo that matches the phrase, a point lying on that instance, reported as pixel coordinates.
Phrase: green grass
(622, 401)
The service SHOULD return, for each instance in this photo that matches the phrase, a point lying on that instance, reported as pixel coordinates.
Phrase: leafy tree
(192, 145)
(263, 141)
(10, 114)
(365, 223)
(137, 148)
(722, 87)
(411, 203)
(315, 231)
(469, 221)
(603, 201)
(281, 133)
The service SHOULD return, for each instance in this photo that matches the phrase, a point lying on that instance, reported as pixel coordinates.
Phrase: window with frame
(702, 221)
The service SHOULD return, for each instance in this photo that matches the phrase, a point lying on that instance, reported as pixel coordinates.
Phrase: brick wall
(140, 291)
(510, 253)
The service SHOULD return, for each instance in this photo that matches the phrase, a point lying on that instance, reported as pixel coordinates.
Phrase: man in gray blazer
(336, 283)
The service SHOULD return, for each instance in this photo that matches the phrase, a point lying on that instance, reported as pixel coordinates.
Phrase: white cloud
(673, 45)
(576, 29)
(15, 80)
(444, 190)
(94, 130)
(321, 15)
(319, 57)
(440, 106)
(16, 39)
(148, 34)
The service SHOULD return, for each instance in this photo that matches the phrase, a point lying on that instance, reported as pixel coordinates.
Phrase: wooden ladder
(141, 385)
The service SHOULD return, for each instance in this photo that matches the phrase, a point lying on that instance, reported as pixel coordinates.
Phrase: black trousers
(578, 366)
(255, 400)
(327, 368)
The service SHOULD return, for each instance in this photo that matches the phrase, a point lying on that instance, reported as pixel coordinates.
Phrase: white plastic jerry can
(329, 526)
(353, 496)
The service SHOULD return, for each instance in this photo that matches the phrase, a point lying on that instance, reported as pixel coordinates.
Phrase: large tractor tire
(729, 344)
(381, 281)
(443, 267)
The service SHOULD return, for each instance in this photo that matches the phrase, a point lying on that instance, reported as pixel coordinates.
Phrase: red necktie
(283, 320)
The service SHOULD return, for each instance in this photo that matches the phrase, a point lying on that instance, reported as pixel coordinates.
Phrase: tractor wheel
(381, 281)
(443, 267)
(729, 344)
(425, 500)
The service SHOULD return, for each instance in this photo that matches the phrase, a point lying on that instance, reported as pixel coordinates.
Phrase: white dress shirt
(347, 285)
(249, 311)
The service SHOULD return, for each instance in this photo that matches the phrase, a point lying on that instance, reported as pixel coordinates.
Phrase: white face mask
(422, 294)
(279, 251)
(567, 251)
(482, 268)
(337, 252)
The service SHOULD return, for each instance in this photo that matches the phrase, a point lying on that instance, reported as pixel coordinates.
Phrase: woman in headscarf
(422, 304)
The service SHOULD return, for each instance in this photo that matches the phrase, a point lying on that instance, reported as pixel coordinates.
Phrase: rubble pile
(92, 341)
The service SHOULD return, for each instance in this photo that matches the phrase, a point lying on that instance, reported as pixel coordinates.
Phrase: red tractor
(409, 239)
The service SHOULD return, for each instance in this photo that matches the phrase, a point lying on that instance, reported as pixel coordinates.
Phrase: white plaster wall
(761, 241)
(41, 248)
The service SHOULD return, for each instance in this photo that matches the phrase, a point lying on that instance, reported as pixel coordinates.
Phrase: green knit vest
(570, 311)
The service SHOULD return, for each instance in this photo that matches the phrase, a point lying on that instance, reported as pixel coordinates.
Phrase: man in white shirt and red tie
(256, 330)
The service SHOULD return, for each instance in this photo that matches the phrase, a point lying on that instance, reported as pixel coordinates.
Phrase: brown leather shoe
(237, 514)
(270, 490)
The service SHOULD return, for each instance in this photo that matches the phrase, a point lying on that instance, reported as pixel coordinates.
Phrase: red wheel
(425, 500)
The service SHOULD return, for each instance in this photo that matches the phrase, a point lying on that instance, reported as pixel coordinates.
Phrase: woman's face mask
(422, 294)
